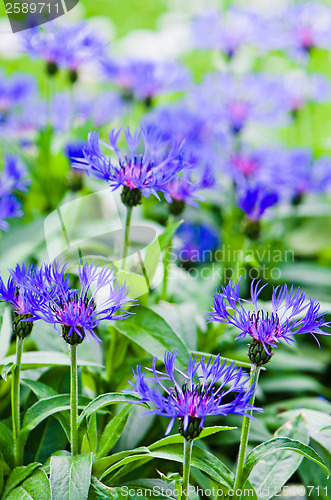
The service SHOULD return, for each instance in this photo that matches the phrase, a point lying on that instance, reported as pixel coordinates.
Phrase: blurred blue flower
(197, 242)
(187, 186)
(12, 180)
(144, 80)
(149, 171)
(301, 174)
(227, 30)
(77, 311)
(300, 88)
(301, 26)
(178, 121)
(15, 90)
(290, 314)
(67, 46)
(254, 199)
(203, 391)
(236, 101)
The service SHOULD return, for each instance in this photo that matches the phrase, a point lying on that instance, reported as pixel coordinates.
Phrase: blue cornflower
(299, 88)
(300, 27)
(12, 179)
(290, 315)
(202, 392)
(178, 121)
(254, 200)
(139, 174)
(17, 293)
(14, 91)
(144, 80)
(236, 101)
(300, 174)
(227, 31)
(185, 188)
(68, 46)
(197, 242)
(77, 311)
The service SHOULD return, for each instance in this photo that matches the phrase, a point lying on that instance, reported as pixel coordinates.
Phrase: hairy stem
(255, 372)
(73, 400)
(127, 233)
(16, 404)
(188, 445)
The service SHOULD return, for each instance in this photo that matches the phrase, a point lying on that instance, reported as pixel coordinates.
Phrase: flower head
(12, 179)
(138, 173)
(254, 200)
(197, 242)
(290, 314)
(186, 187)
(14, 90)
(203, 391)
(144, 80)
(66, 47)
(78, 311)
(17, 293)
(227, 31)
(302, 26)
(236, 101)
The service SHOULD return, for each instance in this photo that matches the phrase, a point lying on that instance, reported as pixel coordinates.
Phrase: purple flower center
(193, 399)
(76, 309)
(247, 166)
(306, 38)
(132, 170)
(264, 327)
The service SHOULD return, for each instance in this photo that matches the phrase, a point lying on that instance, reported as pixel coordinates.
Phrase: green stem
(188, 445)
(15, 403)
(73, 400)
(255, 372)
(127, 233)
(166, 260)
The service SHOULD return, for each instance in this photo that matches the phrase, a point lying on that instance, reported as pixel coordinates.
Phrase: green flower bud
(73, 338)
(257, 355)
(22, 328)
(131, 197)
(193, 430)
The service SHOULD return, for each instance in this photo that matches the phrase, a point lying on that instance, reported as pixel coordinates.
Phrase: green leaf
(277, 444)
(202, 459)
(152, 333)
(36, 487)
(105, 400)
(113, 431)
(271, 473)
(34, 359)
(100, 465)
(90, 438)
(43, 391)
(1, 475)
(5, 332)
(177, 438)
(18, 475)
(71, 477)
(45, 408)
(6, 370)
(317, 423)
(166, 237)
(7, 444)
